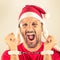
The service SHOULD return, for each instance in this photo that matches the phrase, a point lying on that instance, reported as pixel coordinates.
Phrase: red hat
(32, 10)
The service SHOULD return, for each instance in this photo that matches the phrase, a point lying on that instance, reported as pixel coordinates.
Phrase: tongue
(31, 37)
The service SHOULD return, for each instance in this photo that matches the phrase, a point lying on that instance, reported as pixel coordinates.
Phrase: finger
(49, 39)
(18, 37)
(10, 37)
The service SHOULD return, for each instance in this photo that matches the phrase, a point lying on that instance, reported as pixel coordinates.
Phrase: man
(31, 27)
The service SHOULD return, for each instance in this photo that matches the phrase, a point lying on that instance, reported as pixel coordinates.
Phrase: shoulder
(5, 55)
(56, 54)
(20, 47)
(55, 51)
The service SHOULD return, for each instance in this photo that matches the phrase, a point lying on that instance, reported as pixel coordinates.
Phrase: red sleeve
(5, 56)
(56, 55)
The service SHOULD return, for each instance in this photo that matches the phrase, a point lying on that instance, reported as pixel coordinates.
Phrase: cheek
(38, 30)
(22, 31)
(38, 33)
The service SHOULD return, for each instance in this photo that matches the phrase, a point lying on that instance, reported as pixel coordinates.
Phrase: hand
(12, 41)
(50, 43)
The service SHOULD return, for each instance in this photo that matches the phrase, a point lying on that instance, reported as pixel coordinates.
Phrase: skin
(30, 25)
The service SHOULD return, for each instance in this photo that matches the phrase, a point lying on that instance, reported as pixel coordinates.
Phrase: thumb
(18, 38)
(17, 35)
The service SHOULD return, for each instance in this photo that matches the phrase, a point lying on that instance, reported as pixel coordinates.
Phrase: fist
(50, 43)
(12, 41)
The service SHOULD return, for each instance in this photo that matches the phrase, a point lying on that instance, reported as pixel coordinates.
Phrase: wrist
(15, 52)
(47, 52)
(47, 57)
(13, 49)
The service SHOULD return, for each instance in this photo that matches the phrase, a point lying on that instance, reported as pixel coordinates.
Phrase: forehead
(29, 20)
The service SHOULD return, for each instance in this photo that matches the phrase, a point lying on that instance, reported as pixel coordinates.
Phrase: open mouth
(30, 36)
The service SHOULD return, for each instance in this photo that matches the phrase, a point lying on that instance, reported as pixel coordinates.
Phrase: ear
(42, 27)
(19, 28)
(18, 25)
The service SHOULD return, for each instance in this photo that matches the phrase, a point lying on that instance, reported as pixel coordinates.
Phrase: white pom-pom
(48, 52)
(47, 15)
(57, 48)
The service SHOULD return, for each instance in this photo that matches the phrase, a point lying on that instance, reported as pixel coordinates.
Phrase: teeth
(30, 33)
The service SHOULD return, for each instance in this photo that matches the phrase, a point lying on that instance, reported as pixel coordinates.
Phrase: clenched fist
(50, 43)
(12, 41)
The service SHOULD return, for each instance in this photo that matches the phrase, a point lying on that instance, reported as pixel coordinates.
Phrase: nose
(30, 28)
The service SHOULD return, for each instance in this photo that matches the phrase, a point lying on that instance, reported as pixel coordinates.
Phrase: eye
(25, 24)
(34, 24)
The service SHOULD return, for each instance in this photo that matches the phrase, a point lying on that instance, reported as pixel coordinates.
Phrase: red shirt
(30, 55)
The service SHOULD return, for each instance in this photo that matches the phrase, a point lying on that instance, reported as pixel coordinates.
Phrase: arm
(14, 57)
(6, 56)
(48, 45)
(12, 43)
(47, 57)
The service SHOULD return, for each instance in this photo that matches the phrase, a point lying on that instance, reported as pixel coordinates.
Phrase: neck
(32, 49)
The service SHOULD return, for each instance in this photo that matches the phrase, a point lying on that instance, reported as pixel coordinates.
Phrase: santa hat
(34, 11)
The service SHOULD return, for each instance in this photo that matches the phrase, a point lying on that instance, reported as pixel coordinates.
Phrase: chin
(32, 44)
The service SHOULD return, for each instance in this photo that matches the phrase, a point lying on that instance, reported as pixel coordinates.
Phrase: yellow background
(9, 12)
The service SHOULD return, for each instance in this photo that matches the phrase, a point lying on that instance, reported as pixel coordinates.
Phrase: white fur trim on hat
(31, 14)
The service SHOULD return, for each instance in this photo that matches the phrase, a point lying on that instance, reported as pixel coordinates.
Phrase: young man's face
(31, 29)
